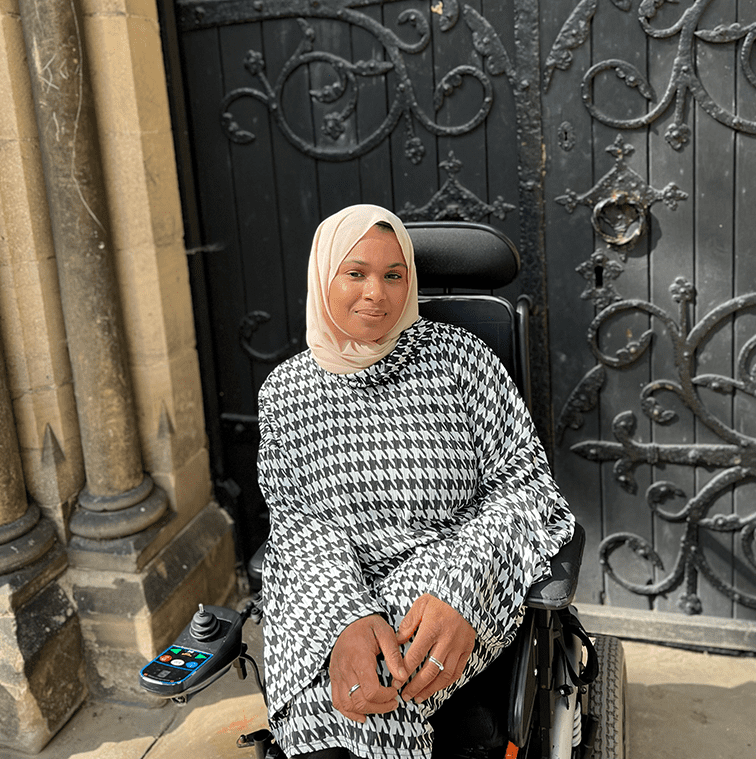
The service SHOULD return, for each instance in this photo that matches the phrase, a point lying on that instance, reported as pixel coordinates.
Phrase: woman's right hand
(354, 661)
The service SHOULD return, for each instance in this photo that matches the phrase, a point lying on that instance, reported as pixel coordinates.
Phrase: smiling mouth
(371, 314)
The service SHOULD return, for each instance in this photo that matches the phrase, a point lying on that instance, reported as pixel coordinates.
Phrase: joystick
(204, 624)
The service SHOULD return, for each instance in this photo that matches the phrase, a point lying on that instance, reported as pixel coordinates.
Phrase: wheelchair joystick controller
(208, 646)
(204, 624)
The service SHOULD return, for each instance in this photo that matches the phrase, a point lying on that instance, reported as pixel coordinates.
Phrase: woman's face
(367, 295)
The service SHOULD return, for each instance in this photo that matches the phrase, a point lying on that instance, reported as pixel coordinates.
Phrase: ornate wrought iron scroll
(735, 457)
(620, 201)
(345, 91)
(684, 77)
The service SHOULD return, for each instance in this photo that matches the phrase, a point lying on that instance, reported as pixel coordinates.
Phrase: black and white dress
(419, 474)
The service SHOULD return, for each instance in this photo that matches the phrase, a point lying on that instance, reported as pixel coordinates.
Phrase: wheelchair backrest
(460, 255)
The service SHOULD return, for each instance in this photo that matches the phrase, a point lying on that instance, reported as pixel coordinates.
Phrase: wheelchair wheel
(607, 702)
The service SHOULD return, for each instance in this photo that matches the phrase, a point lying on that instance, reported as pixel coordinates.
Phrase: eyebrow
(363, 263)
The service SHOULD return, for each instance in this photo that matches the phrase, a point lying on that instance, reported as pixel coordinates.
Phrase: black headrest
(462, 254)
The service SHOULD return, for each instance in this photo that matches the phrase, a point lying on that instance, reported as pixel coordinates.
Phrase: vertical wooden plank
(453, 48)
(501, 130)
(414, 176)
(671, 255)
(569, 243)
(715, 146)
(295, 174)
(372, 109)
(216, 198)
(744, 407)
(255, 201)
(617, 35)
(338, 182)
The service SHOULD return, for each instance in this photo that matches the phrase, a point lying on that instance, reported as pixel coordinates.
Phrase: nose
(375, 289)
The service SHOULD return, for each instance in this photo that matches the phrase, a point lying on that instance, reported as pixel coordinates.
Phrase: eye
(394, 275)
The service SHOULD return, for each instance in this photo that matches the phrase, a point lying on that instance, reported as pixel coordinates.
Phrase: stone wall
(108, 533)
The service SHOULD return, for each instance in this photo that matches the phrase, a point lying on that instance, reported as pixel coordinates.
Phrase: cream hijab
(332, 348)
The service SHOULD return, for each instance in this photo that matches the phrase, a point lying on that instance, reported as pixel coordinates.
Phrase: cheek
(339, 297)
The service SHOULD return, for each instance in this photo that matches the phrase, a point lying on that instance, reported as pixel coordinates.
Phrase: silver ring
(437, 663)
(353, 688)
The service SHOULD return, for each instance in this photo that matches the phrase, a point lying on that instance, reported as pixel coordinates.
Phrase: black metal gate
(614, 139)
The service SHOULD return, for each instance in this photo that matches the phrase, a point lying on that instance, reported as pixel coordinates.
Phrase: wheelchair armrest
(255, 568)
(557, 591)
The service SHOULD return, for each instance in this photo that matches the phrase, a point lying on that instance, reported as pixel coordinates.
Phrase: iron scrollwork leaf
(572, 35)
(582, 399)
(487, 42)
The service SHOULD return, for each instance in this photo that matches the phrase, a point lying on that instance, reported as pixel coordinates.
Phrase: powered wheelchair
(554, 693)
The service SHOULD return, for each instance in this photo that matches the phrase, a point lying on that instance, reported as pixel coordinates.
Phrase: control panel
(204, 651)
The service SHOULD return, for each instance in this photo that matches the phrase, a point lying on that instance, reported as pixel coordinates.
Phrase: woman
(410, 501)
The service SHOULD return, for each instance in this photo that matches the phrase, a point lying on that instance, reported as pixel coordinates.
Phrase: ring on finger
(437, 663)
(353, 688)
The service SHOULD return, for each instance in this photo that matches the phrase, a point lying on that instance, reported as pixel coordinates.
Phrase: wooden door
(612, 139)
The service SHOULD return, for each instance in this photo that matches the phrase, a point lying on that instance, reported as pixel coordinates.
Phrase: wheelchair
(554, 692)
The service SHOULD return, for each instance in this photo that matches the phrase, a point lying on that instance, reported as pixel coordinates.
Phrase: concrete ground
(681, 705)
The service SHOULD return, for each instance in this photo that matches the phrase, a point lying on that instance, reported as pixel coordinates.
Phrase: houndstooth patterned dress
(419, 474)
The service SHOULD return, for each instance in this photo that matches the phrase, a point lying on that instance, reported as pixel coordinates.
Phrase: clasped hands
(440, 632)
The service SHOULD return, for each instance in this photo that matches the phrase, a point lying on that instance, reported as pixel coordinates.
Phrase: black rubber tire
(607, 700)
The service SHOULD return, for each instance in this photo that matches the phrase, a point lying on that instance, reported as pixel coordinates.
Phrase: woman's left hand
(441, 632)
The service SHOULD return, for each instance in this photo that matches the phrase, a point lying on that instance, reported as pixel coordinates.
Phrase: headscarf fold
(333, 349)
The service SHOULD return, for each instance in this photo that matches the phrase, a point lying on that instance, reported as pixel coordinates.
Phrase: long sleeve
(521, 519)
(313, 583)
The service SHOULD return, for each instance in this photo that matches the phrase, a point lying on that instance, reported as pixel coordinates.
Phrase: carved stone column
(42, 676)
(119, 499)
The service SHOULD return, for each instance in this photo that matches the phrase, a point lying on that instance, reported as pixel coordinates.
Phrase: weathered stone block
(170, 412)
(42, 670)
(165, 202)
(156, 302)
(188, 487)
(48, 432)
(17, 115)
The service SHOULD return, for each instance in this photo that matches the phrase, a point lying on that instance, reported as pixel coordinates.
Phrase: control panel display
(175, 664)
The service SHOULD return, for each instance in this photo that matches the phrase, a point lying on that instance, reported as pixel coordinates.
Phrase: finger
(424, 679)
(443, 679)
(387, 642)
(411, 621)
(363, 704)
(345, 703)
(424, 640)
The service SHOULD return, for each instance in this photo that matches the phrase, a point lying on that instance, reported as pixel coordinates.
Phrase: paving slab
(690, 705)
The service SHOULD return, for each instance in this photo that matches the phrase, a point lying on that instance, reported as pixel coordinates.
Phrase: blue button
(192, 664)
